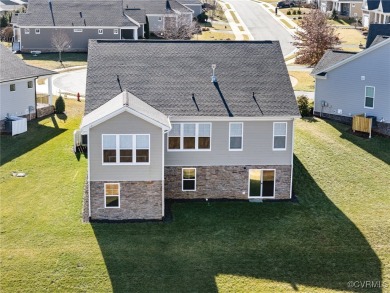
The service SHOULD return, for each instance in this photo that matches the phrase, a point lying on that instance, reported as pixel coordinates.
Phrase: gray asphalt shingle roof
(150, 6)
(14, 68)
(379, 39)
(377, 30)
(386, 6)
(177, 80)
(330, 58)
(139, 15)
(74, 13)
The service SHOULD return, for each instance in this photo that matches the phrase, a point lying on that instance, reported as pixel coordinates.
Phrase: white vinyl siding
(280, 136)
(235, 136)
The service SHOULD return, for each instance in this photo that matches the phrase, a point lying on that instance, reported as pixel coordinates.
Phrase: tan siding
(257, 148)
(125, 123)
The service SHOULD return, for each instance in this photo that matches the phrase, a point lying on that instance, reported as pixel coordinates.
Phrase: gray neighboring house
(80, 20)
(18, 89)
(158, 12)
(351, 8)
(375, 11)
(350, 83)
(182, 124)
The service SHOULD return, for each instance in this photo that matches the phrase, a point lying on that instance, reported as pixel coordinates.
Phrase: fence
(361, 123)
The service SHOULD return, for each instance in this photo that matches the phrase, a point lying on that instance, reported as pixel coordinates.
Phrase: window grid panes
(190, 136)
(12, 87)
(236, 134)
(280, 134)
(112, 194)
(188, 179)
(369, 97)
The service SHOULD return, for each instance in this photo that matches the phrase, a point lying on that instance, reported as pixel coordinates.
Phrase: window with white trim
(37, 31)
(116, 31)
(100, 31)
(12, 87)
(78, 30)
(189, 179)
(235, 136)
(190, 136)
(261, 183)
(111, 195)
(280, 136)
(126, 148)
(26, 31)
(30, 84)
(369, 97)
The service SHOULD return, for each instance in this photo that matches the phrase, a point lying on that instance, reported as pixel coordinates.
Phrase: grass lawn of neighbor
(50, 60)
(336, 231)
(305, 81)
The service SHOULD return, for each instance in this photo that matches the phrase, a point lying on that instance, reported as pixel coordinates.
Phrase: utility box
(15, 125)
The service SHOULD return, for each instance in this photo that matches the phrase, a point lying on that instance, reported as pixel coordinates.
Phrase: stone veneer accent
(381, 127)
(227, 182)
(139, 200)
(44, 111)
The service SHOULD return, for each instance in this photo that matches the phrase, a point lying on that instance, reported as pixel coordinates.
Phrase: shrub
(289, 12)
(202, 18)
(304, 106)
(294, 12)
(299, 17)
(299, 12)
(60, 105)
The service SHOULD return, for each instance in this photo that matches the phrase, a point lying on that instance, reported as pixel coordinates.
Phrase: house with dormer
(375, 11)
(182, 124)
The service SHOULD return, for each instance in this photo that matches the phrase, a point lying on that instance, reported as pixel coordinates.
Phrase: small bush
(202, 18)
(294, 12)
(60, 105)
(289, 12)
(299, 17)
(299, 12)
(304, 106)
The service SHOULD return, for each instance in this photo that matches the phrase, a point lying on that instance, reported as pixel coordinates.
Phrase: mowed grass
(305, 81)
(50, 60)
(336, 232)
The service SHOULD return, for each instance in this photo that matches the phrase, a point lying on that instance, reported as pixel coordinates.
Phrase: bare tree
(61, 42)
(179, 27)
(314, 37)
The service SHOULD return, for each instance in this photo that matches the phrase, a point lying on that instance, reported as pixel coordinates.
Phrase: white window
(116, 31)
(369, 97)
(111, 195)
(12, 87)
(26, 31)
(30, 84)
(126, 148)
(100, 31)
(280, 135)
(78, 30)
(235, 136)
(37, 31)
(261, 183)
(190, 136)
(188, 179)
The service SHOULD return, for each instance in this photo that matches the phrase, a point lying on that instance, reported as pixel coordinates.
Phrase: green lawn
(305, 81)
(337, 231)
(50, 60)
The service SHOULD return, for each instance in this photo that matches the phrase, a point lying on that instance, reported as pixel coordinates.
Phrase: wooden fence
(361, 123)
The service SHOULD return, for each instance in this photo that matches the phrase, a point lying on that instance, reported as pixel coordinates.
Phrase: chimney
(213, 77)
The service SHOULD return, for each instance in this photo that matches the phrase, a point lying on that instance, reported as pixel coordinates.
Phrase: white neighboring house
(375, 11)
(350, 83)
(18, 89)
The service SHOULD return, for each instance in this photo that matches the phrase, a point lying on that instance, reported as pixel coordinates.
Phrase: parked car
(283, 4)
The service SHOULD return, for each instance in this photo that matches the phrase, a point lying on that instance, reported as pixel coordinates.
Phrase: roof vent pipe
(213, 77)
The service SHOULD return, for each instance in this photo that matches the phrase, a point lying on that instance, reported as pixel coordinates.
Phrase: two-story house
(375, 11)
(351, 8)
(198, 120)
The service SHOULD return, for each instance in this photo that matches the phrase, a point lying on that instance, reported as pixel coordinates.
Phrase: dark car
(283, 4)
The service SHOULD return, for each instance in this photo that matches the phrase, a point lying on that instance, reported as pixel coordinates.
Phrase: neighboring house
(351, 8)
(10, 5)
(375, 11)
(80, 20)
(158, 12)
(377, 33)
(354, 83)
(185, 124)
(17, 87)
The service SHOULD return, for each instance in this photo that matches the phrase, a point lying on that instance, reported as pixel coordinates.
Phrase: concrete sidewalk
(239, 34)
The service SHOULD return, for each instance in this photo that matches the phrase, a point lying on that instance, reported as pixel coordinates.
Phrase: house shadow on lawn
(378, 145)
(37, 134)
(310, 243)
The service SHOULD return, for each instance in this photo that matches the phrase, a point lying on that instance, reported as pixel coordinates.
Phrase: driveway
(262, 25)
(71, 82)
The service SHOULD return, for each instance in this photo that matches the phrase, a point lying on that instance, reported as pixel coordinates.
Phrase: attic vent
(213, 77)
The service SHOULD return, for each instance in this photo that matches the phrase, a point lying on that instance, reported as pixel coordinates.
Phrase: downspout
(163, 167)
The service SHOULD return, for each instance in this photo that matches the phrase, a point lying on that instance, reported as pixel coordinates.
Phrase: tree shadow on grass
(309, 243)
(377, 145)
(37, 134)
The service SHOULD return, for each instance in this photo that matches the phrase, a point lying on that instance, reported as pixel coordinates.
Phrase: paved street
(262, 25)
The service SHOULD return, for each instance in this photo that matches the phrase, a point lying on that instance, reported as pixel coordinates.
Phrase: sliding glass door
(261, 183)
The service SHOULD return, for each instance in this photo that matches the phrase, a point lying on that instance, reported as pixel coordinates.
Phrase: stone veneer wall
(138, 200)
(44, 111)
(381, 127)
(229, 182)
